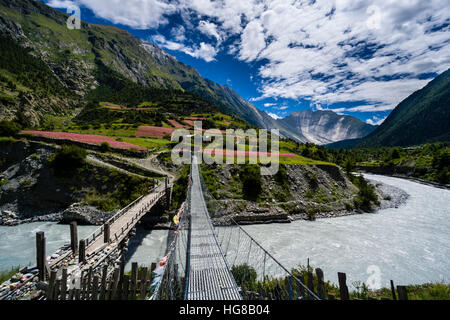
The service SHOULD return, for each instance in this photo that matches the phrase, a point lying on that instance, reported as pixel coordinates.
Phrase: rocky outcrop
(84, 215)
(31, 190)
(307, 192)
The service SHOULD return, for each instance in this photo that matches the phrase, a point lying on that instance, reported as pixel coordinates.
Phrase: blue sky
(355, 57)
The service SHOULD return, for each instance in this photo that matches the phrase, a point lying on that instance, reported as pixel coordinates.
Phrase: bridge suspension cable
(220, 263)
(257, 272)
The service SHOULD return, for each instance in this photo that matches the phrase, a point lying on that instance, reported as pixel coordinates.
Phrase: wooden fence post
(134, 273)
(144, 283)
(74, 237)
(107, 233)
(301, 287)
(40, 254)
(89, 283)
(402, 293)
(115, 284)
(343, 286)
(82, 251)
(64, 284)
(56, 289)
(94, 289)
(320, 284)
(51, 285)
(126, 287)
(310, 285)
(103, 283)
(394, 296)
(288, 286)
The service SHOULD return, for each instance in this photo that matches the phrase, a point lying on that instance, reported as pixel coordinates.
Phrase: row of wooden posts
(115, 286)
(77, 248)
(320, 290)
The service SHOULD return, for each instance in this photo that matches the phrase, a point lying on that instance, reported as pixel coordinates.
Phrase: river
(18, 244)
(410, 245)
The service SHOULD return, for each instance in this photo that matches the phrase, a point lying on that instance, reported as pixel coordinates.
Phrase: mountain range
(64, 65)
(423, 117)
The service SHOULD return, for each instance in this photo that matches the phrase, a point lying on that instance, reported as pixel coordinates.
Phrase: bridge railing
(257, 272)
(176, 270)
(99, 232)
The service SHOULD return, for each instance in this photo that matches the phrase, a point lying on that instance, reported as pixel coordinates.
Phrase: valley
(93, 121)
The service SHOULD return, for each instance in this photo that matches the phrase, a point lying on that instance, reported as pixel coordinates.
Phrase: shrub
(69, 158)
(245, 276)
(349, 166)
(443, 176)
(366, 195)
(8, 128)
(348, 206)
(251, 181)
(21, 120)
(105, 147)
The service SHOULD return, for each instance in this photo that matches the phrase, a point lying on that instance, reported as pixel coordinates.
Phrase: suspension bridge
(220, 263)
(202, 262)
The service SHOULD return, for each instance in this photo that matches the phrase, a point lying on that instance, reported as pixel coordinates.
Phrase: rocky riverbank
(403, 173)
(83, 215)
(32, 191)
(389, 196)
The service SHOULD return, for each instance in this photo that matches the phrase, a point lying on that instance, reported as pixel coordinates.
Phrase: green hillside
(421, 118)
(76, 56)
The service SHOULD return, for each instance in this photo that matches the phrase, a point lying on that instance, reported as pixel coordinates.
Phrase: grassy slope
(421, 118)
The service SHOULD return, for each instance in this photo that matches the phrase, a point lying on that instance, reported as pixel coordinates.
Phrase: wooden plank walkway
(210, 277)
(123, 224)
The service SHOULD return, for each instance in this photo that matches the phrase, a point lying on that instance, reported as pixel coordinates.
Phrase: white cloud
(205, 51)
(376, 121)
(252, 41)
(179, 33)
(210, 29)
(325, 51)
(139, 14)
(331, 58)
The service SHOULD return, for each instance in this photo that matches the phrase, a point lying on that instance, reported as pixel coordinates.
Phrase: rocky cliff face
(307, 192)
(30, 187)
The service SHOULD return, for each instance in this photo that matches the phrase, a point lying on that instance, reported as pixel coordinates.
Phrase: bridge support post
(343, 286)
(402, 293)
(320, 284)
(74, 237)
(82, 251)
(40, 255)
(167, 193)
(107, 233)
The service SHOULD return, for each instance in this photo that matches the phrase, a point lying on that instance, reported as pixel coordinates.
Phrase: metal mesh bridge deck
(210, 277)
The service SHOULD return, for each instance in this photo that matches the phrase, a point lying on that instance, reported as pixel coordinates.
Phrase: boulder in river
(83, 215)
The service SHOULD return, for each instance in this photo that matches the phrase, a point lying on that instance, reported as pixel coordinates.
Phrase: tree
(21, 120)
(8, 128)
(105, 147)
(69, 158)
(251, 181)
(395, 154)
(349, 166)
(366, 196)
